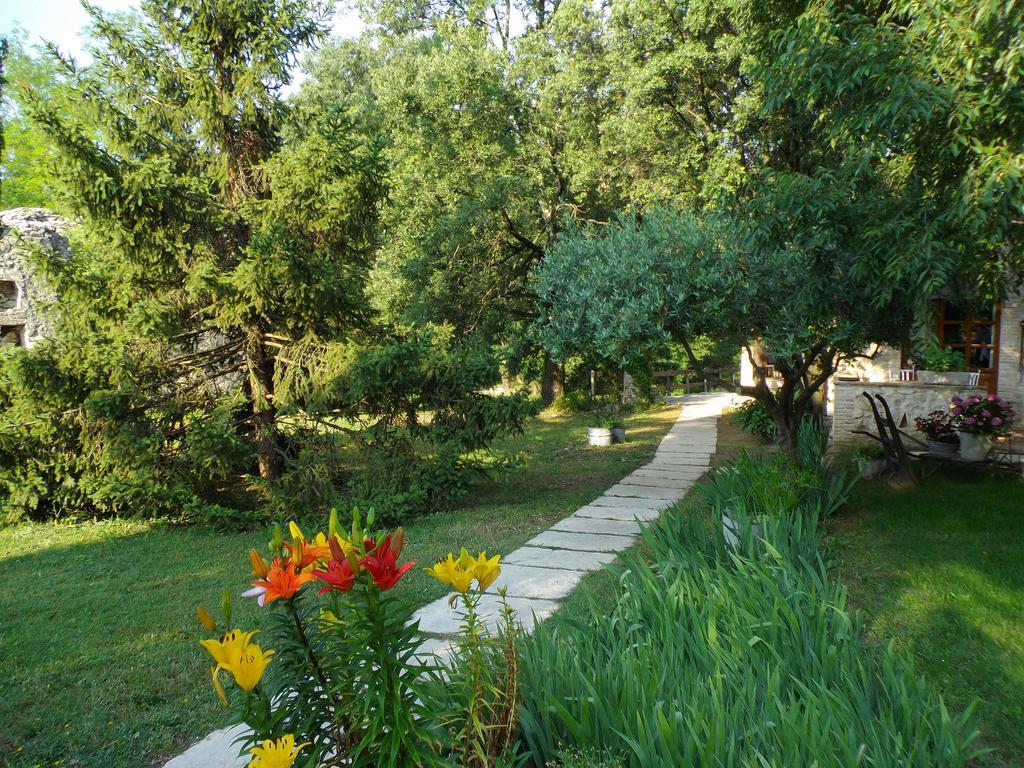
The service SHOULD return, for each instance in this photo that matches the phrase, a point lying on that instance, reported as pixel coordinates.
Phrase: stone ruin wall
(23, 295)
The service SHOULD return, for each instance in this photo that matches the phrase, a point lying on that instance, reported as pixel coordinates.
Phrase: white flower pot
(974, 447)
(733, 530)
(958, 378)
(598, 436)
(941, 449)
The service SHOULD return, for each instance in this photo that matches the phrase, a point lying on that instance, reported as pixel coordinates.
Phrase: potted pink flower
(979, 420)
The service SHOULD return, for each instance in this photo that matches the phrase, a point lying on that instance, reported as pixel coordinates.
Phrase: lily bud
(259, 565)
(333, 527)
(370, 517)
(205, 618)
(225, 607)
(398, 542)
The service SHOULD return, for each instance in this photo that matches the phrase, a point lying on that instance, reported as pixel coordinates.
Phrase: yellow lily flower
(229, 647)
(244, 660)
(248, 667)
(486, 570)
(442, 570)
(276, 754)
(454, 572)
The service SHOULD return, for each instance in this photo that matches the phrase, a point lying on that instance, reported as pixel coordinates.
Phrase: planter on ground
(733, 530)
(974, 447)
(618, 434)
(870, 468)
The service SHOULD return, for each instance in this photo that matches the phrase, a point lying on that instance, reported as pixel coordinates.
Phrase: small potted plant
(979, 420)
(870, 459)
(608, 428)
(937, 428)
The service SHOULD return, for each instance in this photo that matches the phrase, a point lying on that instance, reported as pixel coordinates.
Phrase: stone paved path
(547, 568)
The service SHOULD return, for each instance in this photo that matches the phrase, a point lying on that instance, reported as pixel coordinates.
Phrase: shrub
(753, 417)
(935, 358)
(715, 656)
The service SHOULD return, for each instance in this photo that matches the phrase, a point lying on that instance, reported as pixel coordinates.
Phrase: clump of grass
(720, 656)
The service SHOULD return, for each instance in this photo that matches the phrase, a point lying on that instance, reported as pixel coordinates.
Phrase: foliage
(621, 290)
(937, 426)
(583, 758)
(754, 417)
(928, 93)
(343, 677)
(216, 357)
(808, 671)
(26, 151)
(936, 358)
(989, 415)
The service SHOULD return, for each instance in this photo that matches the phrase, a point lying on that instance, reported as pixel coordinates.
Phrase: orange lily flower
(281, 582)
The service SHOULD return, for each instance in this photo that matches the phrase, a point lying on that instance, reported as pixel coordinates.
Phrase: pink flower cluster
(989, 415)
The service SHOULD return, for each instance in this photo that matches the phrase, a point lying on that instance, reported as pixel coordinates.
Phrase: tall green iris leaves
(722, 657)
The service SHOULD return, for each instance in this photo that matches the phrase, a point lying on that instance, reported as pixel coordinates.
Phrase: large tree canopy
(217, 288)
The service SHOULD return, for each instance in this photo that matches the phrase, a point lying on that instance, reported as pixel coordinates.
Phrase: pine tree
(208, 239)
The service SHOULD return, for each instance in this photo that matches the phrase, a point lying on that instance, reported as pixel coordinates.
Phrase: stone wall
(907, 400)
(1010, 385)
(23, 295)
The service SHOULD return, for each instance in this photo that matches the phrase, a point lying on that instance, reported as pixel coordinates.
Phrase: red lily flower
(382, 566)
(338, 576)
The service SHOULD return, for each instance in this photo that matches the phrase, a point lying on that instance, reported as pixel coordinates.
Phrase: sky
(61, 21)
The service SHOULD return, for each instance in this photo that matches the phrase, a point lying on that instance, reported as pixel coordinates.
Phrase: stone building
(24, 298)
(991, 341)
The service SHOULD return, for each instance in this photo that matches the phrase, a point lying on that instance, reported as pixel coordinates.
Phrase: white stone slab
(651, 505)
(529, 581)
(217, 750)
(587, 542)
(618, 513)
(672, 483)
(567, 559)
(687, 472)
(700, 461)
(439, 618)
(582, 524)
(644, 492)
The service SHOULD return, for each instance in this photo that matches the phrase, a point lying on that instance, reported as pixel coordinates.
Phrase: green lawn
(99, 664)
(939, 570)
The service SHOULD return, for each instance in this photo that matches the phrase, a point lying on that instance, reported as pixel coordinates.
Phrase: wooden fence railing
(696, 380)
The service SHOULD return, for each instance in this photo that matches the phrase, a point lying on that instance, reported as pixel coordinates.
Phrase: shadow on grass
(937, 569)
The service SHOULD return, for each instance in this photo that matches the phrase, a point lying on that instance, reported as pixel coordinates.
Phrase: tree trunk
(548, 383)
(261, 386)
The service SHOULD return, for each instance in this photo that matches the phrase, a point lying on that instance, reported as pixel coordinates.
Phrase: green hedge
(719, 658)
